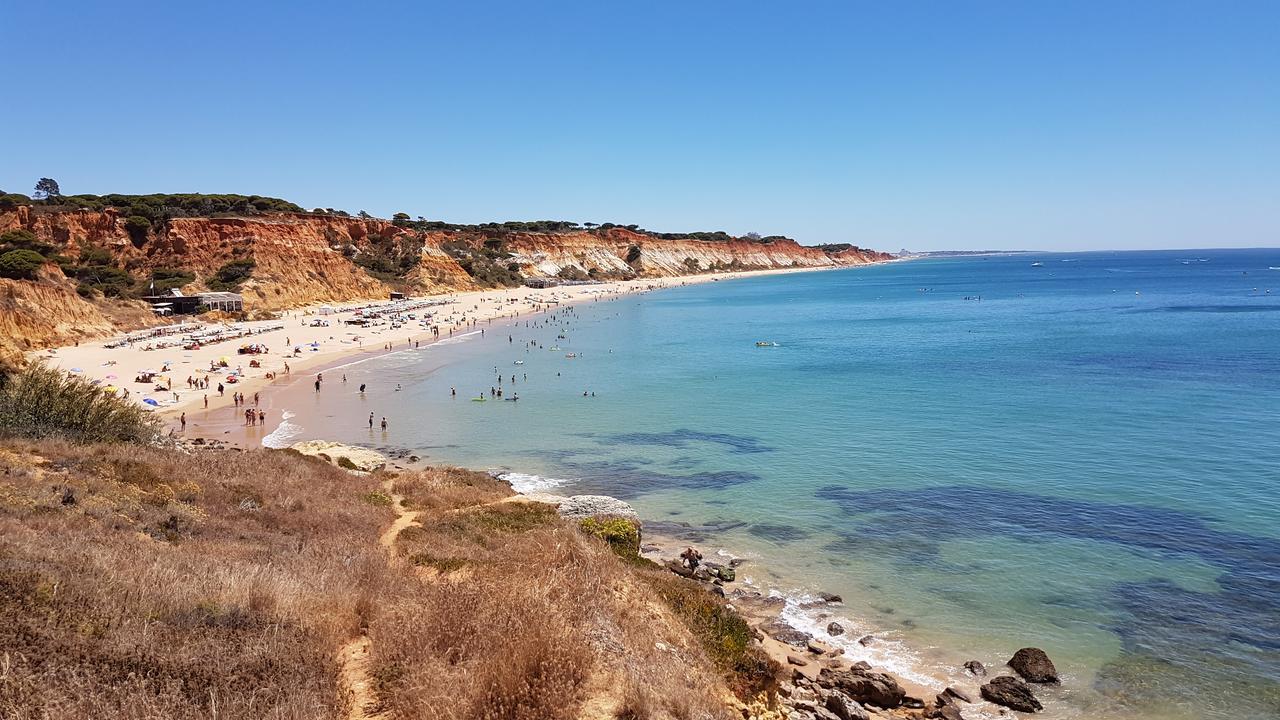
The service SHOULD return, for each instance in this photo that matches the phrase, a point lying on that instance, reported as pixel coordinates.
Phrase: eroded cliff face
(301, 259)
(49, 313)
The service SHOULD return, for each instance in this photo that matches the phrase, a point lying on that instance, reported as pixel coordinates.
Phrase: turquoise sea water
(1087, 459)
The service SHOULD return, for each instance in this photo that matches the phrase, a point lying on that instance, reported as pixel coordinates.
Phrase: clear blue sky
(929, 125)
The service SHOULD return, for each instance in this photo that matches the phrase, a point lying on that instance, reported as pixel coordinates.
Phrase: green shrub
(41, 402)
(345, 463)
(377, 497)
(230, 276)
(9, 201)
(108, 280)
(622, 535)
(137, 226)
(724, 634)
(20, 264)
(23, 240)
(169, 278)
(90, 255)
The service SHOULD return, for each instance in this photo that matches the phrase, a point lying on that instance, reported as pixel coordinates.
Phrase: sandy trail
(353, 658)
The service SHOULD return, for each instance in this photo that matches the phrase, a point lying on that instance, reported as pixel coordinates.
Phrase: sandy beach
(296, 346)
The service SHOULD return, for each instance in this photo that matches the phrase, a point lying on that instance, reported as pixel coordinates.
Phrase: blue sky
(927, 125)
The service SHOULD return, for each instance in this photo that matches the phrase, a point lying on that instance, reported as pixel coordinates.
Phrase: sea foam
(283, 435)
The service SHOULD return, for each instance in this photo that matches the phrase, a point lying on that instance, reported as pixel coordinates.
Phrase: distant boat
(519, 362)
(766, 343)
(1273, 267)
(1037, 264)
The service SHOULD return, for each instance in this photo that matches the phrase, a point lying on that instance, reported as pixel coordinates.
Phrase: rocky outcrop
(1012, 693)
(580, 507)
(1034, 666)
(864, 685)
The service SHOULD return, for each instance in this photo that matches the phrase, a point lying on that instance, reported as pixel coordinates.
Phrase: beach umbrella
(111, 388)
(152, 403)
(76, 370)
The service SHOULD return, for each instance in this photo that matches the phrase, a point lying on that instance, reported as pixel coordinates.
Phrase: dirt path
(353, 658)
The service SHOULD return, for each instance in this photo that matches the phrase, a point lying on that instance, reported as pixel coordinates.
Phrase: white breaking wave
(455, 339)
(882, 653)
(283, 435)
(524, 483)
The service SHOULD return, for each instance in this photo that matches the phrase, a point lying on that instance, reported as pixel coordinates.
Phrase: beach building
(226, 301)
(175, 303)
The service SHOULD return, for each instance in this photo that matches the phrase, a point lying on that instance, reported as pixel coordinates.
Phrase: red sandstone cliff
(301, 259)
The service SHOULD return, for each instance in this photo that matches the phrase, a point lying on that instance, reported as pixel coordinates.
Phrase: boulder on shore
(784, 633)
(975, 667)
(1012, 693)
(580, 507)
(835, 628)
(845, 707)
(864, 686)
(954, 693)
(1034, 666)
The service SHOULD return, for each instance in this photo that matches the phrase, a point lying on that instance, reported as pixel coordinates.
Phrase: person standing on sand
(262, 417)
(220, 390)
(255, 399)
(317, 385)
(206, 401)
(183, 422)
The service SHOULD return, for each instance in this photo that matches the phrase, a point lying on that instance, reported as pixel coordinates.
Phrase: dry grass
(138, 583)
(528, 618)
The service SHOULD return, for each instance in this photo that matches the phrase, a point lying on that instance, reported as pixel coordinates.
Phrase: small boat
(1037, 264)
(519, 362)
(766, 343)
(571, 355)
(480, 399)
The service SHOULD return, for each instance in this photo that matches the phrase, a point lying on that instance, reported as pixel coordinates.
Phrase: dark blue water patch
(682, 438)
(1224, 368)
(1206, 309)
(690, 532)
(1220, 644)
(1212, 650)
(931, 515)
(629, 479)
(778, 533)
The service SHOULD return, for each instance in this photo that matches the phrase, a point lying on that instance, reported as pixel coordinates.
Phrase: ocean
(1079, 452)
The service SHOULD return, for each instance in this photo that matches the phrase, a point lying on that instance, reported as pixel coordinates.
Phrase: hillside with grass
(141, 579)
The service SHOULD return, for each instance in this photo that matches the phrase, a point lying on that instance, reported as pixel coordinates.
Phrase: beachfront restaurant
(226, 301)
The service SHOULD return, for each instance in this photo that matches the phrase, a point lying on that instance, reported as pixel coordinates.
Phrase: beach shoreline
(334, 344)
